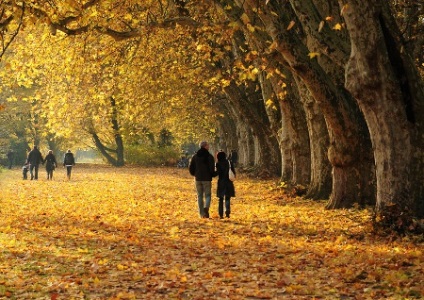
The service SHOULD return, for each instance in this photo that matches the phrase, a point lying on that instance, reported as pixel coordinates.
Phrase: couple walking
(203, 167)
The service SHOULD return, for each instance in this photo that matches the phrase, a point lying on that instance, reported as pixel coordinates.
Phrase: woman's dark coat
(225, 185)
(50, 161)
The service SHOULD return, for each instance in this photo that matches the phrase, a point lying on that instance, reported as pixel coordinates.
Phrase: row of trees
(326, 94)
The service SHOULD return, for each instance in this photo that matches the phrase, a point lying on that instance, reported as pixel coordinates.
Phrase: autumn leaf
(321, 25)
(250, 27)
(245, 18)
(313, 54)
(291, 24)
(343, 10)
(338, 26)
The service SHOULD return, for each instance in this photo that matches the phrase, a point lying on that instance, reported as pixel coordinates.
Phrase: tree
(332, 84)
(383, 79)
(307, 50)
(78, 81)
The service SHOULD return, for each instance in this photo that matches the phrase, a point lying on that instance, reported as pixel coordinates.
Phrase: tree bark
(320, 176)
(241, 100)
(340, 111)
(118, 137)
(382, 79)
(117, 161)
(293, 134)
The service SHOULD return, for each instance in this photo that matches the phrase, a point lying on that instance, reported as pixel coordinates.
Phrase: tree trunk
(269, 155)
(293, 135)
(235, 133)
(104, 150)
(339, 111)
(117, 135)
(117, 161)
(382, 79)
(320, 177)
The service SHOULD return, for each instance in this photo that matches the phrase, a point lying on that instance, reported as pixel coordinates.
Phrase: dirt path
(134, 233)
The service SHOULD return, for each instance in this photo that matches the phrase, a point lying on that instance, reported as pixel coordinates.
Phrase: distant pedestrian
(233, 157)
(34, 159)
(10, 158)
(51, 164)
(225, 188)
(202, 167)
(68, 162)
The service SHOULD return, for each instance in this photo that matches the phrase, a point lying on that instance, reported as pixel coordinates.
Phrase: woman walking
(225, 188)
(51, 164)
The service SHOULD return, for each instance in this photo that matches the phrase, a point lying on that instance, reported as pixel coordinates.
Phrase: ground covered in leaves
(134, 233)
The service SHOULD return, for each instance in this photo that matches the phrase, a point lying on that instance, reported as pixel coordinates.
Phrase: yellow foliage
(250, 27)
(245, 19)
(270, 104)
(313, 54)
(338, 26)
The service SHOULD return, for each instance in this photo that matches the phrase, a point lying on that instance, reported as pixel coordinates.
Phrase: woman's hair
(50, 151)
(221, 156)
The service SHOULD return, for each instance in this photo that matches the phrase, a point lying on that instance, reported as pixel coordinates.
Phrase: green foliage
(165, 138)
(20, 147)
(151, 155)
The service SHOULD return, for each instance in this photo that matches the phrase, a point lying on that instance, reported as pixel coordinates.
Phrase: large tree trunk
(293, 135)
(380, 76)
(117, 159)
(321, 179)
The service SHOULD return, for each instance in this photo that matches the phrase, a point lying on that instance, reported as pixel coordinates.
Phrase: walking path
(134, 233)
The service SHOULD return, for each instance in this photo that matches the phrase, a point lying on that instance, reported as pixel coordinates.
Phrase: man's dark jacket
(35, 157)
(202, 165)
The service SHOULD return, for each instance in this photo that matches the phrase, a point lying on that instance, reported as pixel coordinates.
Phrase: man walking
(202, 167)
(34, 159)
(68, 162)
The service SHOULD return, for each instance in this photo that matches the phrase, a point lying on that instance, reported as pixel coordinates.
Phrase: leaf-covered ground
(133, 233)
